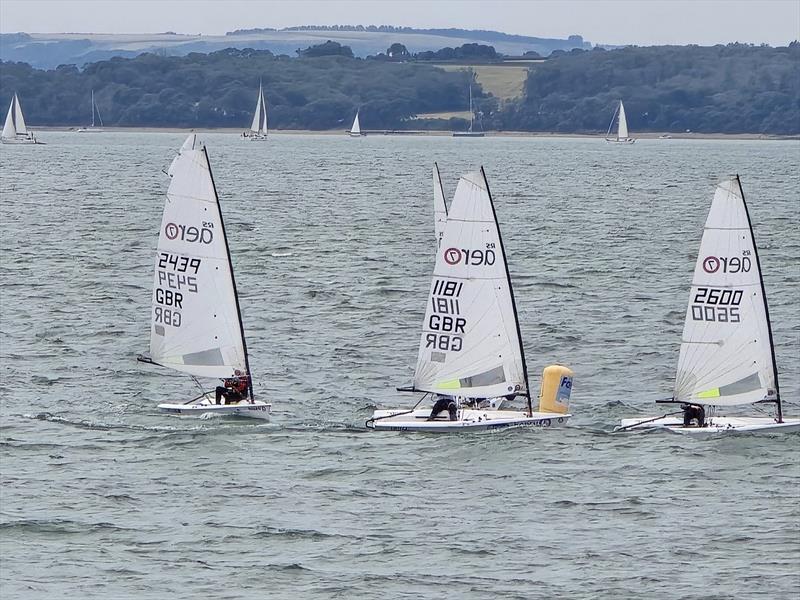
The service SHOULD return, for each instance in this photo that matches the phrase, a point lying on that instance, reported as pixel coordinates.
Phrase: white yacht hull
(620, 141)
(469, 420)
(21, 140)
(255, 137)
(713, 425)
(205, 405)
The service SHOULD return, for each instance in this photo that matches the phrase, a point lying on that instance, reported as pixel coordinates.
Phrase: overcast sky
(643, 22)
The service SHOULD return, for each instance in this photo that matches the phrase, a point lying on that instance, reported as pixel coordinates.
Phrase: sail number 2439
(714, 304)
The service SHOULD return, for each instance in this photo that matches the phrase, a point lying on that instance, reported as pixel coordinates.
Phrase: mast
(233, 278)
(513, 300)
(472, 114)
(92, 108)
(766, 307)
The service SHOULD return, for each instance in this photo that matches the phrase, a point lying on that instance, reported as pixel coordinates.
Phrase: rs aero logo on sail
(735, 264)
(190, 233)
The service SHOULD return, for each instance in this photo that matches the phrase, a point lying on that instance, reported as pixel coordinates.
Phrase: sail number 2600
(714, 304)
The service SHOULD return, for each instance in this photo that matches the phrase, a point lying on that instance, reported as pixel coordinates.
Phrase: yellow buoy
(556, 389)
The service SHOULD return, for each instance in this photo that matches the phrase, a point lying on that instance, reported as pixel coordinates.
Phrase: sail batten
(727, 340)
(196, 325)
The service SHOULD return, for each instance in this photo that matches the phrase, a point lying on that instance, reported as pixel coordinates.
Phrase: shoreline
(434, 133)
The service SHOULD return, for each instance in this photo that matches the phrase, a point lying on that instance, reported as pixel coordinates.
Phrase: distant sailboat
(14, 129)
(727, 355)
(622, 127)
(469, 132)
(93, 127)
(355, 130)
(258, 128)
(196, 323)
(471, 357)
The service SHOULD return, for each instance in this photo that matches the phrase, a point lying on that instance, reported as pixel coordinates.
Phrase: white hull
(620, 141)
(205, 405)
(255, 137)
(89, 130)
(469, 420)
(21, 139)
(714, 425)
(351, 134)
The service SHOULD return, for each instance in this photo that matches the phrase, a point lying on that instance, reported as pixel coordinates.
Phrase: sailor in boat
(693, 412)
(233, 389)
(445, 403)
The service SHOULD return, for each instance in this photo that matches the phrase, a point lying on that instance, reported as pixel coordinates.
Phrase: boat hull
(622, 141)
(256, 137)
(471, 134)
(206, 406)
(714, 425)
(21, 140)
(469, 420)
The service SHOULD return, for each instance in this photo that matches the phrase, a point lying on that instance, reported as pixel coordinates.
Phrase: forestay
(470, 344)
(439, 206)
(196, 327)
(259, 124)
(726, 353)
(622, 131)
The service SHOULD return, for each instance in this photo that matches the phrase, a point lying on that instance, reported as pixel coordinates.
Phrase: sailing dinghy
(622, 127)
(258, 128)
(355, 130)
(471, 131)
(196, 323)
(14, 129)
(727, 355)
(470, 353)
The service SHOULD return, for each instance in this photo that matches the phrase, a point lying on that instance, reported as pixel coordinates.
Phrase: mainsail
(356, 128)
(259, 124)
(727, 356)
(196, 323)
(470, 343)
(439, 206)
(622, 130)
(15, 122)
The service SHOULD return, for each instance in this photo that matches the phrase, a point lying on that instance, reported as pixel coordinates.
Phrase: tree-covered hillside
(730, 89)
(219, 90)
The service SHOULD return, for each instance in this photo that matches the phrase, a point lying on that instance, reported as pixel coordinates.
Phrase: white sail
(726, 351)
(259, 124)
(19, 120)
(439, 207)
(356, 128)
(622, 131)
(9, 128)
(196, 327)
(470, 343)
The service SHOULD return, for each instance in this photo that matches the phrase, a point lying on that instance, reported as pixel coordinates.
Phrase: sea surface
(332, 243)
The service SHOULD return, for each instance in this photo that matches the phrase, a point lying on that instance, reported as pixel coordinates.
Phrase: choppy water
(102, 497)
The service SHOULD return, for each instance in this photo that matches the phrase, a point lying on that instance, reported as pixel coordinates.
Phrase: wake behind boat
(196, 323)
(727, 355)
(471, 358)
(622, 127)
(14, 130)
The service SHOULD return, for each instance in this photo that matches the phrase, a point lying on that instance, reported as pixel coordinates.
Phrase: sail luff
(511, 292)
(766, 304)
(233, 278)
(356, 128)
(439, 206)
(255, 126)
(263, 125)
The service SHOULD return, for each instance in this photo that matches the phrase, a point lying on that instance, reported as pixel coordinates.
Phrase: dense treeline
(731, 89)
(736, 88)
(219, 90)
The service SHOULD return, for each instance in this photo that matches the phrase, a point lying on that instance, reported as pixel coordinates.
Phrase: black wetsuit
(445, 403)
(693, 412)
